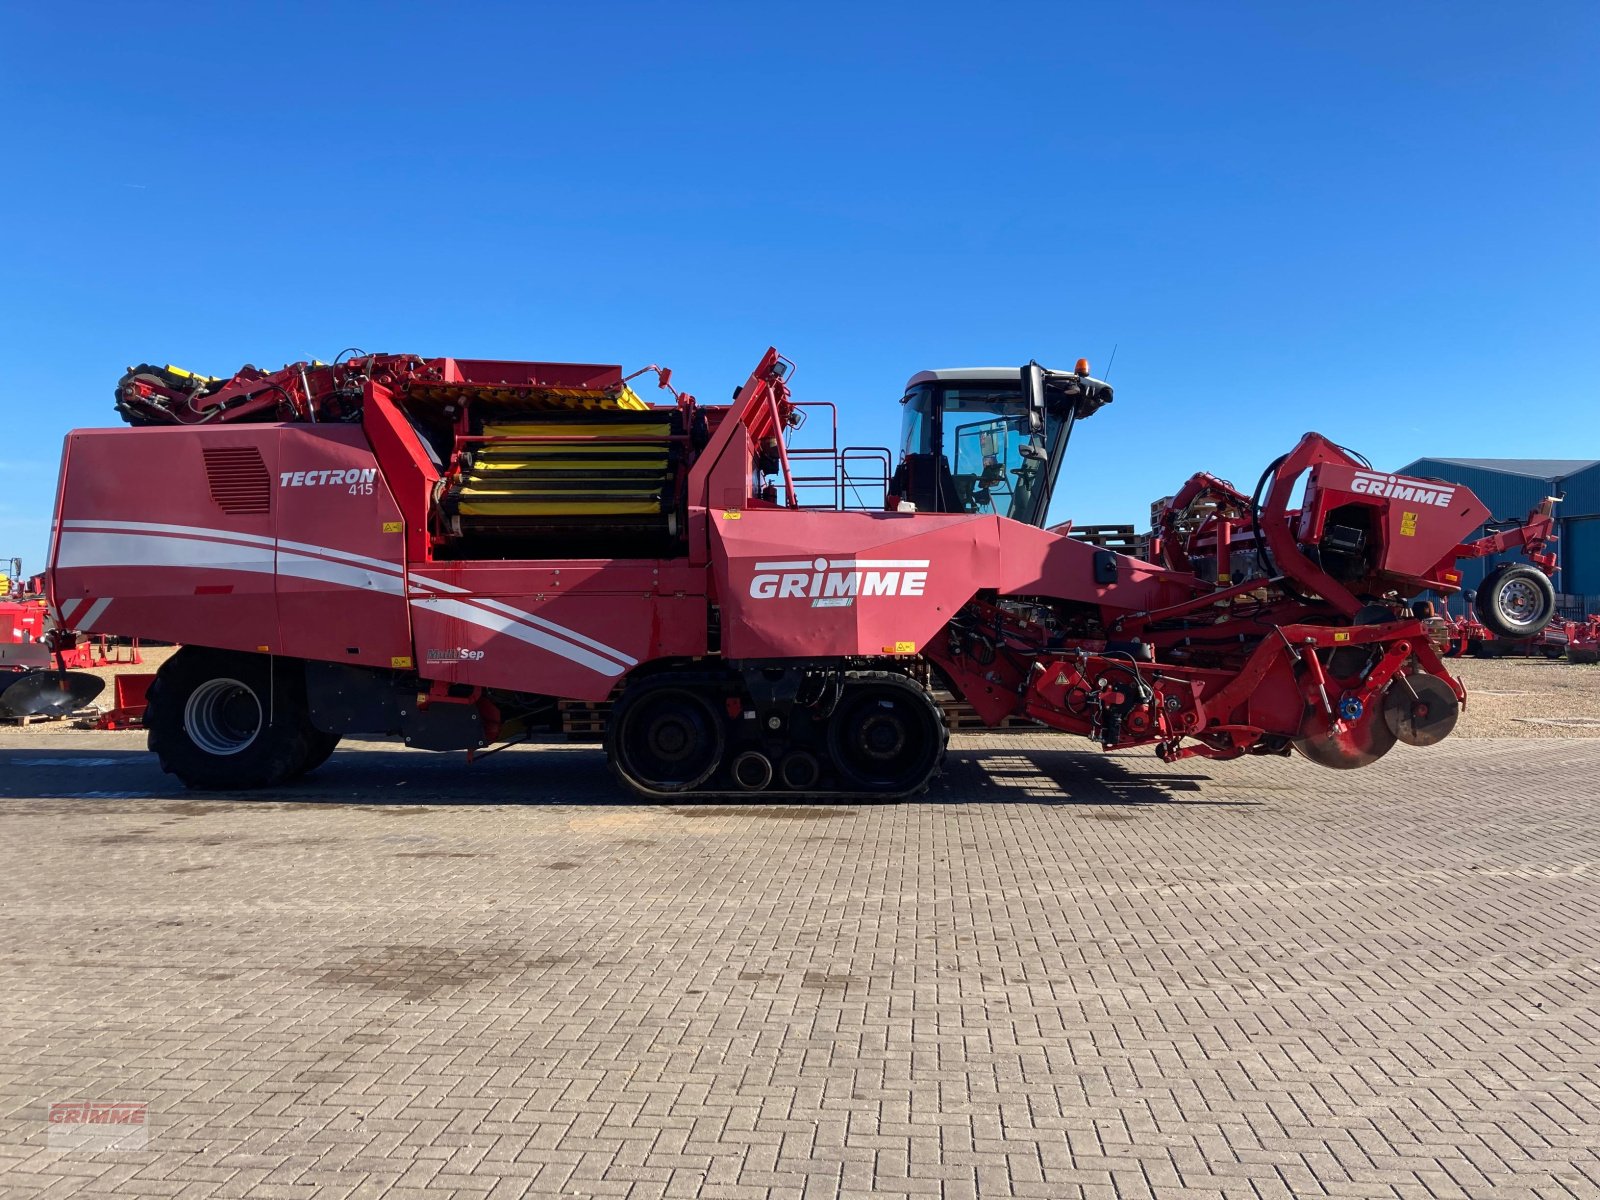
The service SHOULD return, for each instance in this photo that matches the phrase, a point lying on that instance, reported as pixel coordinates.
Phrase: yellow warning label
(401, 662)
(394, 526)
(731, 514)
(1408, 524)
(901, 648)
(1341, 637)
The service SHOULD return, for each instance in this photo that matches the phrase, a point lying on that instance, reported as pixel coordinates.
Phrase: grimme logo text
(1395, 487)
(835, 583)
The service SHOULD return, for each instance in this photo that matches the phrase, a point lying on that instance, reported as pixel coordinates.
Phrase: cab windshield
(979, 430)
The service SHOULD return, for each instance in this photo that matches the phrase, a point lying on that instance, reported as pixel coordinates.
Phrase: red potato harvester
(444, 549)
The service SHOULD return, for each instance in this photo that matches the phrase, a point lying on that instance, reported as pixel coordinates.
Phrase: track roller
(751, 771)
(800, 771)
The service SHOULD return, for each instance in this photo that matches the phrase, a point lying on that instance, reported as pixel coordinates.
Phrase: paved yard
(1062, 975)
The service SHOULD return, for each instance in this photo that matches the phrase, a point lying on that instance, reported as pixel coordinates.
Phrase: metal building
(1512, 486)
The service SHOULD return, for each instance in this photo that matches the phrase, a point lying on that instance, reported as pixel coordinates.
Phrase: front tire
(228, 720)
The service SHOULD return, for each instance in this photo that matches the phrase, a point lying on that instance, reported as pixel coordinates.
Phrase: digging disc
(49, 693)
(1420, 709)
(1356, 745)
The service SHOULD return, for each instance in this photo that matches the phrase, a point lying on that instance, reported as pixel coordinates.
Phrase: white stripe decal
(301, 567)
(223, 535)
(376, 564)
(86, 622)
(158, 550)
(153, 527)
(530, 619)
(70, 607)
(519, 630)
(134, 544)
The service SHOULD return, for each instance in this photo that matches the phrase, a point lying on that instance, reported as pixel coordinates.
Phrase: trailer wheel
(227, 720)
(1516, 601)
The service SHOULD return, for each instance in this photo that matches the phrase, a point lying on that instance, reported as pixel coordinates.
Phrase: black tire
(665, 735)
(319, 747)
(1584, 656)
(886, 735)
(248, 712)
(1516, 601)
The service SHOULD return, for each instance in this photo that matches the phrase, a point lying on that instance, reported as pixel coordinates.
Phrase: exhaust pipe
(751, 771)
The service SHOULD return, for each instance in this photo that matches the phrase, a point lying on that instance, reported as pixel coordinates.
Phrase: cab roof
(964, 375)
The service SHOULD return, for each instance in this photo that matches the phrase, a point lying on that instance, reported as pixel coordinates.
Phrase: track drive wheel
(223, 719)
(886, 735)
(665, 735)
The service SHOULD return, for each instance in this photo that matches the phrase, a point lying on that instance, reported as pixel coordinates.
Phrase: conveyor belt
(594, 475)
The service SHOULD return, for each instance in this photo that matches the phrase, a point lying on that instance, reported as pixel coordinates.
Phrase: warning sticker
(1408, 524)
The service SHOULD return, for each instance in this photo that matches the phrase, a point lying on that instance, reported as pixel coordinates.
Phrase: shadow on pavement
(575, 775)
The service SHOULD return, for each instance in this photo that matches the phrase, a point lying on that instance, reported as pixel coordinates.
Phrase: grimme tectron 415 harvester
(444, 549)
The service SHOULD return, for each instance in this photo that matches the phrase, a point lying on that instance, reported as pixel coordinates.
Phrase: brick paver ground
(1062, 975)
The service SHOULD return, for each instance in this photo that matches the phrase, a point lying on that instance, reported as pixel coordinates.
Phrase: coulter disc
(1356, 745)
(1420, 709)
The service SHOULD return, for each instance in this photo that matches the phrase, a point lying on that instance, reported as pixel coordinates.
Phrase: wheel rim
(223, 717)
(1519, 602)
(669, 740)
(883, 740)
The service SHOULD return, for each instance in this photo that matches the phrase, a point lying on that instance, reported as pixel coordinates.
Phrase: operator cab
(989, 440)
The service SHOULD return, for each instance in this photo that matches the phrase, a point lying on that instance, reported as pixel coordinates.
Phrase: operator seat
(925, 480)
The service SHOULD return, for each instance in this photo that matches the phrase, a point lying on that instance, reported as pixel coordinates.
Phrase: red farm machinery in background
(1583, 639)
(445, 549)
(39, 667)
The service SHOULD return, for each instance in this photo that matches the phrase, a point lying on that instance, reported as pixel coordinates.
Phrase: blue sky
(1373, 219)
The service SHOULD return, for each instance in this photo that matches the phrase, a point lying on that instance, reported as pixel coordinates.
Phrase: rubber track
(780, 795)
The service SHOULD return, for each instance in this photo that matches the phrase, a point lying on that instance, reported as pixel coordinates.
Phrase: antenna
(1106, 378)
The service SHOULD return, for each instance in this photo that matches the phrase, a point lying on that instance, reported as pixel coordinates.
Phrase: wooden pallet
(584, 721)
(34, 719)
(1122, 538)
(961, 717)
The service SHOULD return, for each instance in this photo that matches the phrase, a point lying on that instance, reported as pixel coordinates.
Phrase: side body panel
(279, 539)
(285, 539)
(794, 584)
(569, 628)
(143, 548)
